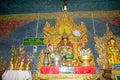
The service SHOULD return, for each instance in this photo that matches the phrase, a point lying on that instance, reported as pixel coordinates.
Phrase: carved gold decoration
(51, 33)
(40, 60)
(75, 51)
(64, 77)
(85, 14)
(67, 76)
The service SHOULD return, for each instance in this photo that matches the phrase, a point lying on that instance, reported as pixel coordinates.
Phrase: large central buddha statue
(65, 46)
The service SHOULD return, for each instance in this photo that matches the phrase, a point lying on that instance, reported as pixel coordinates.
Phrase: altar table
(17, 75)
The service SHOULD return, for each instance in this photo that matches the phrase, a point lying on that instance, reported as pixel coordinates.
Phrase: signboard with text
(33, 41)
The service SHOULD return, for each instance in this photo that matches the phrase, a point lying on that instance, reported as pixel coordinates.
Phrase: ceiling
(46, 6)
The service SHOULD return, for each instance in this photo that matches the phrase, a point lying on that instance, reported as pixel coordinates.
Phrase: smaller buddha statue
(16, 65)
(113, 52)
(11, 65)
(21, 64)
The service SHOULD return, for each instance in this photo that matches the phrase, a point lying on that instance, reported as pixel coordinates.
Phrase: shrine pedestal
(66, 73)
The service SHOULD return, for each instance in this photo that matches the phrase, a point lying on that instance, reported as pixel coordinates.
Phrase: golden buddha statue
(64, 46)
(16, 65)
(21, 65)
(11, 65)
(113, 52)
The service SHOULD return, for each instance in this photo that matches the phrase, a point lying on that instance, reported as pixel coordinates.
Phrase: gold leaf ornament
(64, 28)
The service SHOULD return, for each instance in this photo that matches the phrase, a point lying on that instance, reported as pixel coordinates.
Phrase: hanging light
(65, 6)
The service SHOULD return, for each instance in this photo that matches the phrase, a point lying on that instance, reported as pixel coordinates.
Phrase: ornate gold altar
(108, 50)
(61, 38)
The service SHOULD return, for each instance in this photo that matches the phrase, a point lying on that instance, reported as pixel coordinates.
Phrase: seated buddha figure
(113, 52)
(64, 47)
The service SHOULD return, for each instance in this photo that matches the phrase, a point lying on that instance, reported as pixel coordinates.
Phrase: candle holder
(46, 60)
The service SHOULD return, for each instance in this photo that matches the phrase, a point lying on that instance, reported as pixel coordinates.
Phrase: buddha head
(112, 42)
(64, 40)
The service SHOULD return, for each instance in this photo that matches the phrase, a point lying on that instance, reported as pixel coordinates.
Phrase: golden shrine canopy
(65, 23)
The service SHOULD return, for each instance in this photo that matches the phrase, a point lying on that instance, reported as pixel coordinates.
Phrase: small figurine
(11, 66)
(21, 64)
(16, 65)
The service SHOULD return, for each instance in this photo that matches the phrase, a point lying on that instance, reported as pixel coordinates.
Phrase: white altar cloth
(17, 75)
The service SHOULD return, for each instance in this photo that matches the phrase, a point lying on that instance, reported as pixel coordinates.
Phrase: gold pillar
(75, 53)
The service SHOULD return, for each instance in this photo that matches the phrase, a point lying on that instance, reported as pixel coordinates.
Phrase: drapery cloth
(16, 75)
(74, 70)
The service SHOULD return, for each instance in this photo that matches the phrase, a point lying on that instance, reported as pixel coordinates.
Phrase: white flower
(76, 33)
